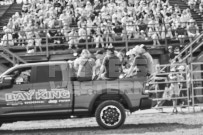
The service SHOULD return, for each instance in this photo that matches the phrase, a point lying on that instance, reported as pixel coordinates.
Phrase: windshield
(7, 72)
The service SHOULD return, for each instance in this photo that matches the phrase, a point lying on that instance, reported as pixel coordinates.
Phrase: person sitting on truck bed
(111, 65)
(139, 66)
(99, 59)
(86, 64)
(77, 54)
(130, 58)
(150, 61)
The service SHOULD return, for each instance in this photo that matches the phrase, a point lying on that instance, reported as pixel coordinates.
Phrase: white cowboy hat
(173, 69)
(181, 67)
(191, 21)
(130, 52)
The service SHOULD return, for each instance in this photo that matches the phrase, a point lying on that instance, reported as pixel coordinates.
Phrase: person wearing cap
(192, 4)
(82, 34)
(129, 62)
(99, 59)
(180, 33)
(139, 66)
(76, 54)
(111, 65)
(7, 39)
(182, 85)
(173, 77)
(97, 7)
(171, 54)
(86, 64)
(192, 30)
(72, 38)
(150, 61)
(123, 58)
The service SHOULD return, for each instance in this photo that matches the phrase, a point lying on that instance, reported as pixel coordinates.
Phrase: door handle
(24, 89)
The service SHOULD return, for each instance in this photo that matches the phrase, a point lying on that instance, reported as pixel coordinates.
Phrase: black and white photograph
(109, 67)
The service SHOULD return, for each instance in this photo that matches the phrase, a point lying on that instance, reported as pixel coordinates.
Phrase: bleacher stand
(101, 22)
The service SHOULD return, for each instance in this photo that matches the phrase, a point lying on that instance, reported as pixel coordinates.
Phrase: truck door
(16, 94)
(53, 91)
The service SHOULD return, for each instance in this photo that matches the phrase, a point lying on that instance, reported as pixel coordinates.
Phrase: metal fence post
(192, 87)
(47, 47)
(7, 39)
(86, 38)
(166, 41)
(126, 39)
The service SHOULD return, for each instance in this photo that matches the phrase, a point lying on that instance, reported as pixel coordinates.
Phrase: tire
(109, 120)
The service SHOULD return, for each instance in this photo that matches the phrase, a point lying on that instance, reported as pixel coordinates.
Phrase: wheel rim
(110, 115)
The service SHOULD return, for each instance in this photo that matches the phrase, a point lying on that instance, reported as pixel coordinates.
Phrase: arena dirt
(141, 124)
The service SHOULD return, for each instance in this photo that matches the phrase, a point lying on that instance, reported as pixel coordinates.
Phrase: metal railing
(197, 84)
(127, 36)
(186, 52)
(171, 86)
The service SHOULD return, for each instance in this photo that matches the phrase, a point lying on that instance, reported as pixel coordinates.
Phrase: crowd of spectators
(6, 2)
(75, 22)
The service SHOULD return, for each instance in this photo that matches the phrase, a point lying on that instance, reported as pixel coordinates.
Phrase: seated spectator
(139, 66)
(140, 35)
(51, 34)
(59, 37)
(192, 30)
(98, 37)
(97, 7)
(7, 39)
(86, 64)
(180, 33)
(38, 42)
(82, 34)
(192, 3)
(110, 68)
(21, 37)
(152, 33)
(130, 28)
(117, 30)
(73, 38)
(30, 44)
(108, 34)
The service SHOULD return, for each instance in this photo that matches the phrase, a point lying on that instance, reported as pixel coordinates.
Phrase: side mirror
(6, 81)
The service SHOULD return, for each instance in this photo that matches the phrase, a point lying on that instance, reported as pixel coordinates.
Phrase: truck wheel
(110, 114)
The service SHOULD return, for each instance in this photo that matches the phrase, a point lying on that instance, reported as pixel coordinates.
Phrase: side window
(21, 75)
(48, 73)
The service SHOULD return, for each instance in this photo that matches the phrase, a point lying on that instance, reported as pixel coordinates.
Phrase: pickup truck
(49, 90)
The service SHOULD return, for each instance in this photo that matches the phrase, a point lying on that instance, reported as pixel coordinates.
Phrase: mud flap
(145, 103)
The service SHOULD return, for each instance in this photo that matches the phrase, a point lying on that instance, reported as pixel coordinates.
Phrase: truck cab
(49, 90)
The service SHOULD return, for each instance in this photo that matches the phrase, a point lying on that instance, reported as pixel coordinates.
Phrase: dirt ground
(137, 123)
